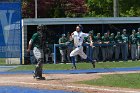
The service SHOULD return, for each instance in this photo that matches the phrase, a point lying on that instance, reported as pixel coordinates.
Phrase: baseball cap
(63, 35)
(133, 30)
(124, 30)
(91, 32)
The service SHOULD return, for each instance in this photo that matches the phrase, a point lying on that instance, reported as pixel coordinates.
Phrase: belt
(78, 46)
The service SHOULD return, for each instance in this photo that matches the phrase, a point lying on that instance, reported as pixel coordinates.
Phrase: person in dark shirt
(118, 41)
(133, 45)
(124, 47)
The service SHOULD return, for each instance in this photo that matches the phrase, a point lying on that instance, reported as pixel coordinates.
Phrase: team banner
(10, 29)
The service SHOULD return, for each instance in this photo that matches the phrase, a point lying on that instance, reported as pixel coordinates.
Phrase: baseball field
(107, 77)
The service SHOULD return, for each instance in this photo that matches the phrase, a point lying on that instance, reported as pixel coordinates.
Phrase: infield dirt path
(63, 82)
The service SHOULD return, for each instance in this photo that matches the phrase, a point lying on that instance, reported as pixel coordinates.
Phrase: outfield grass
(117, 80)
(81, 65)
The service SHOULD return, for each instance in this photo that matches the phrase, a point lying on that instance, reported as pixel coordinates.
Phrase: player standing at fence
(118, 40)
(124, 47)
(138, 44)
(111, 48)
(133, 45)
(78, 37)
(69, 46)
(97, 40)
(47, 52)
(89, 49)
(63, 48)
(38, 42)
(105, 41)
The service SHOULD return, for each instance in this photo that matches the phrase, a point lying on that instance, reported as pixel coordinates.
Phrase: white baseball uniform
(78, 38)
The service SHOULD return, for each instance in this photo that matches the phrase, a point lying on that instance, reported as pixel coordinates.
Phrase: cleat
(74, 68)
(34, 76)
(40, 78)
(93, 63)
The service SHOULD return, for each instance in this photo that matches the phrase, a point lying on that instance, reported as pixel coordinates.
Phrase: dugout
(58, 26)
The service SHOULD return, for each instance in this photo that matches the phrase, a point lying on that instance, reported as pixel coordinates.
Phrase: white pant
(78, 51)
(133, 51)
(63, 54)
(38, 53)
(138, 51)
(47, 57)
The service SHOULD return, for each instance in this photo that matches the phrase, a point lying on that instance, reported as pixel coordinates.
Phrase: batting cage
(10, 32)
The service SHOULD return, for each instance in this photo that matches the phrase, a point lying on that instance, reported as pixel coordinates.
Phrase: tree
(54, 8)
(104, 8)
(75, 8)
(28, 9)
(129, 8)
(100, 8)
(79, 8)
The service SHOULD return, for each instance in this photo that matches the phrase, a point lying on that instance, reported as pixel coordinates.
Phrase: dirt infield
(63, 82)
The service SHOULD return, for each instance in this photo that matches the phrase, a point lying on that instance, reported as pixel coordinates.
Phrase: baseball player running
(78, 37)
(38, 42)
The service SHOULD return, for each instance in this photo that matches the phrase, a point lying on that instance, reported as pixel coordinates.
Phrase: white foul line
(58, 85)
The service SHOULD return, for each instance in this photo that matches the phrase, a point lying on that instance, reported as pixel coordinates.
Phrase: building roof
(91, 20)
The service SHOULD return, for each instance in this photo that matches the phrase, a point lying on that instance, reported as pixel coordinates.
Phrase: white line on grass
(75, 87)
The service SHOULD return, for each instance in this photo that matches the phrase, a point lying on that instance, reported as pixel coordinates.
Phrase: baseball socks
(92, 61)
(73, 62)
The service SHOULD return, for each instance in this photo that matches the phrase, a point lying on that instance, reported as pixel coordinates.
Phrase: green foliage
(54, 8)
(2, 61)
(80, 8)
(117, 80)
(129, 8)
(100, 8)
(104, 8)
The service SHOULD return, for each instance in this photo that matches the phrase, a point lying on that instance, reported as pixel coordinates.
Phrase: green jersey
(124, 38)
(87, 39)
(112, 40)
(133, 39)
(138, 38)
(97, 39)
(38, 40)
(105, 39)
(63, 40)
(118, 39)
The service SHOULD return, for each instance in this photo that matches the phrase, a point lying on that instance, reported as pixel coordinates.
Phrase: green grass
(81, 65)
(2, 61)
(117, 80)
